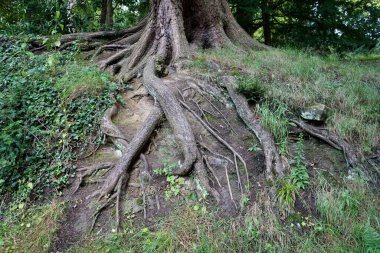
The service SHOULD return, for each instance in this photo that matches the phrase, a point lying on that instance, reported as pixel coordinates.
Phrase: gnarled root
(332, 139)
(131, 152)
(273, 160)
(174, 115)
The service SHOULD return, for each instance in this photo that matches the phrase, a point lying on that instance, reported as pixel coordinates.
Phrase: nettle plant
(41, 130)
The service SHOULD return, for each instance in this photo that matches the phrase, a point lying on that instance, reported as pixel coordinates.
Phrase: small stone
(133, 206)
(118, 153)
(316, 112)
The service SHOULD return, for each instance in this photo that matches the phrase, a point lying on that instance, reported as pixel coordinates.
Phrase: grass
(274, 119)
(32, 230)
(348, 221)
(350, 216)
(349, 88)
(79, 80)
(347, 217)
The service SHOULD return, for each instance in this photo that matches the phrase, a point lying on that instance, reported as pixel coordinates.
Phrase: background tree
(339, 24)
(106, 15)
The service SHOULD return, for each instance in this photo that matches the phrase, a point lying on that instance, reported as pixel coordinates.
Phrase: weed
(276, 122)
(166, 170)
(250, 88)
(174, 187)
(175, 183)
(371, 238)
(254, 148)
(298, 175)
(32, 230)
(286, 195)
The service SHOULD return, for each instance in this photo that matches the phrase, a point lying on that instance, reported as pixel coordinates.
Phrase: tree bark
(70, 14)
(106, 15)
(266, 16)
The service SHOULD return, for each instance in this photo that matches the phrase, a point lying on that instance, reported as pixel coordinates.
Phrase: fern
(371, 239)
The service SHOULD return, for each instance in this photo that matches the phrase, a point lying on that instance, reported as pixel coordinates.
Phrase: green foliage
(348, 87)
(342, 25)
(31, 230)
(32, 17)
(41, 131)
(175, 183)
(50, 17)
(254, 148)
(346, 213)
(166, 170)
(276, 122)
(250, 88)
(298, 174)
(371, 239)
(297, 180)
(286, 195)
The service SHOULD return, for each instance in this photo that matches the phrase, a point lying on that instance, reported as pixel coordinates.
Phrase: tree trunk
(70, 14)
(153, 48)
(106, 15)
(266, 16)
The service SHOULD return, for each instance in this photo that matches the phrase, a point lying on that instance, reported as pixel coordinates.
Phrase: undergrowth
(348, 87)
(31, 230)
(50, 107)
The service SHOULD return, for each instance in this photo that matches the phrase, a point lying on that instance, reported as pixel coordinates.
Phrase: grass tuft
(349, 88)
(32, 230)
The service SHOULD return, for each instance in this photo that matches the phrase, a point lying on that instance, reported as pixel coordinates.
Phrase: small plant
(371, 238)
(250, 88)
(174, 187)
(286, 195)
(254, 148)
(299, 175)
(175, 183)
(349, 202)
(273, 117)
(166, 170)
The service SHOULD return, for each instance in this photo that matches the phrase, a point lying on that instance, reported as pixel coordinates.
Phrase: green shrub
(41, 130)
(250, 88)
(298, 173)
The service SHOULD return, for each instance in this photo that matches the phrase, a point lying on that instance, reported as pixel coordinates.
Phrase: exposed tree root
(332, 139)
(131, 152)
(273, 161)
(225, 143)
(174, 115)
(89, 171)
(162, 40)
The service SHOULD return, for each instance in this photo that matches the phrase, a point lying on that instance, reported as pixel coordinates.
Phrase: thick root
(273, 161)
(331, 139)
(132, 151)
(174, 115)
